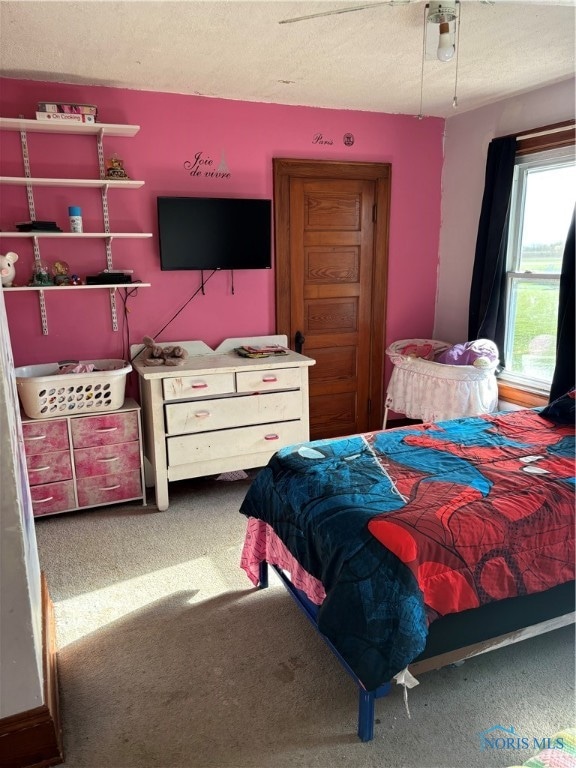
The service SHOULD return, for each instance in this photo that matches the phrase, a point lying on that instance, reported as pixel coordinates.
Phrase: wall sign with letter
(203, 165)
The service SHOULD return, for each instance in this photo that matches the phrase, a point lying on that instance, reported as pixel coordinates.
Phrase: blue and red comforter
(409, 524)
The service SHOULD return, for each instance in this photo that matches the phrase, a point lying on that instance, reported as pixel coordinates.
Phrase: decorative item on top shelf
(115, 168)
(7, 268)
(65, 117)
(68, 107)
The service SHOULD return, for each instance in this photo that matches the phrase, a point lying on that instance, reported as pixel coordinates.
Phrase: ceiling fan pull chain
(457, 42)
(420, 115)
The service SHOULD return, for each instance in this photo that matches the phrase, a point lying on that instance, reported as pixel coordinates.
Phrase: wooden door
(331, 223)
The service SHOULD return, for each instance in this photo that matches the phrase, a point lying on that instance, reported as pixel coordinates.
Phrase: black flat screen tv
(214, 233)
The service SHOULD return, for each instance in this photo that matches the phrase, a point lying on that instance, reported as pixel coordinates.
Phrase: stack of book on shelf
(261, 351)
(37, 226)
(64, 111)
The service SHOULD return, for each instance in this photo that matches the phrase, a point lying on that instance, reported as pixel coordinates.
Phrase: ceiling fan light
(439, 13)
(445, 50)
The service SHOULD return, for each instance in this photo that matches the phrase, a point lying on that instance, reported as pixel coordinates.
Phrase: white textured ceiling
(365, 60)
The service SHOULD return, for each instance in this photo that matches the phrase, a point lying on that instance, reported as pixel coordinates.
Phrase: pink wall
(173, 129)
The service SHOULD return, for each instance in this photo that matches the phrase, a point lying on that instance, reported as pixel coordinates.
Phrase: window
(542, 204)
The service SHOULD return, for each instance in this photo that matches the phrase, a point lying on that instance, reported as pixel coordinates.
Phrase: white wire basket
(45, 392)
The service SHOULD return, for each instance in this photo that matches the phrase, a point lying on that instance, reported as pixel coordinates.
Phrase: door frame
(380, 173)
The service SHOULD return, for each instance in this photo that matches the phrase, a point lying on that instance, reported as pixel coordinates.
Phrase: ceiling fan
(393, 3)
(345, 10)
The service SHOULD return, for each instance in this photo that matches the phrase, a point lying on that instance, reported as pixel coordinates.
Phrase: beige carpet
(170, 659)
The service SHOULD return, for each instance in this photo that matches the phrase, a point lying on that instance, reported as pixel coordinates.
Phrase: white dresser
(219, 412)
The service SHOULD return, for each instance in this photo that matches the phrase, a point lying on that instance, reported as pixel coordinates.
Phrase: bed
(416, 547)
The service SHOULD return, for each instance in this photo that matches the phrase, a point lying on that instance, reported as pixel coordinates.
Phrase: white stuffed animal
(7, 268)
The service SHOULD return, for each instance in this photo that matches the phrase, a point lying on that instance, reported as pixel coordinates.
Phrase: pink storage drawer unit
(84, 460)
(106, 489)
(49, 467)
(45, 437)
(53, 497)
(104, 429)
(107, 460)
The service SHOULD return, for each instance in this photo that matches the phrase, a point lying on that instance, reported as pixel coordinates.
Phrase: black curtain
(486, 316)
(563, 378)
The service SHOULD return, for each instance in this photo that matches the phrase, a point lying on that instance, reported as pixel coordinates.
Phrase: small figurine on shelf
(75, 280)
(40, 275)
(60, 270)
(115, 168)
(7, 268)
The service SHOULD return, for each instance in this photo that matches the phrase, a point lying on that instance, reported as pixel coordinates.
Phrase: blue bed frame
(455, 637)
(366, 698)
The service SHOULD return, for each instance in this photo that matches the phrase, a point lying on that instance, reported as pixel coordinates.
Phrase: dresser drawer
(274, 378)
(107, 489)
(104, 429)
(49, 467)
(184, 418)
(233, 442)
(107, 459)
(53, 497)
(45, 437)
(186, 387)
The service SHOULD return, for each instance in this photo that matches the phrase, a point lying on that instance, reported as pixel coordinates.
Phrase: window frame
(548, 146)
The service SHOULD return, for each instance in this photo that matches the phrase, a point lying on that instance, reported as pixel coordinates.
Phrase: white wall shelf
(62, 288)
(97, 130)
(45, 126)
(24, 181)
(76, 235)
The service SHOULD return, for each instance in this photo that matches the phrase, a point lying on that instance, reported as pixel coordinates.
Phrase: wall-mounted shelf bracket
(43, 315)
(113, 311)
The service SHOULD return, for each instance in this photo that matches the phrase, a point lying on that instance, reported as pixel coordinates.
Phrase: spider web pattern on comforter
(404, 525)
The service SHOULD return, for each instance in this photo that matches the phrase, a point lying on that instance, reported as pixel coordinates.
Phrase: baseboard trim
(33, 739)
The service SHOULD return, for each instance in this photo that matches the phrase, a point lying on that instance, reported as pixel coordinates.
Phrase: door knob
(299, 340)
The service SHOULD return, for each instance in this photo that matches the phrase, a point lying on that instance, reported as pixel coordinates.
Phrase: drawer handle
(111, 458)
(43, 501)
(36, 437)
(111, 487)
(202, 414)
(271, 437)
(107, 429)
(269, 378)
(40, 469)
(199, 385)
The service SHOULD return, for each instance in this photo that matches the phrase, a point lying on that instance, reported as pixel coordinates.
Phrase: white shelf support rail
(43, 314)
(41, 298)
(106, 217)
(32, 214)
(113, 310)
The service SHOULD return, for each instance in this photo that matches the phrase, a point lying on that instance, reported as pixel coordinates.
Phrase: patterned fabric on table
(403, 525)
